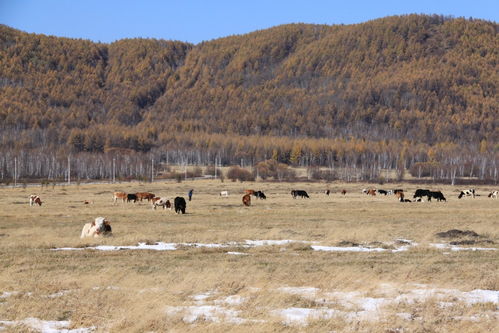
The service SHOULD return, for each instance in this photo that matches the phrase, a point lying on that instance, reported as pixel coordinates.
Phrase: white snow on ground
(352, 306)
(460, 248)
(6, 294)
(300, 316)
(205, 312)
(161, 246)
(46, 326)
(231, 300)
(356, 305)
(272, 242)
(346, 249)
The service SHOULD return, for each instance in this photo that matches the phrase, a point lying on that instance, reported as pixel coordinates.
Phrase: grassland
(242, 288)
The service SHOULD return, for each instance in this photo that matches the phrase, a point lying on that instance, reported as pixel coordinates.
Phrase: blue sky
(195, 20)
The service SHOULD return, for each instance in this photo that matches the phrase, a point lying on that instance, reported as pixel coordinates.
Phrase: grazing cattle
(250, 192)
(493, 194)
(343, 191)
(437, 195)
(382, 192)
(131, 197)
(260, 195)
(144, 195)
(420, 193)
(247, 200)
(299, 193)
(34, 199)
(161, 202)
(224, 193)
(400, 196)
(119, 195)
(371, 192)
(468, 193)
(100, 227)
(327, 192)
(180, 205)
(397, 191)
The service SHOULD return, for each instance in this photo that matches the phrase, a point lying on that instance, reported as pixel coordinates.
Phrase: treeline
(266, 158)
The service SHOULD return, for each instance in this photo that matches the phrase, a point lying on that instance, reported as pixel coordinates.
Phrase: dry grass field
(348, 263)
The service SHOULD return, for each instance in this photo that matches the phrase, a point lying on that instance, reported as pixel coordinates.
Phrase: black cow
(299, 193)
(421, 193)
(437, 195)
(131, 197)
(260, 195)
(382, 192)
(180, 205)
(327, 192)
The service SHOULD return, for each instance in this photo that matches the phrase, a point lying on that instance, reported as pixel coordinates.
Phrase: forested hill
(427, 79)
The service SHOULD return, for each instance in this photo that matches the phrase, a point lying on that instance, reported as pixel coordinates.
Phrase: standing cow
(467, 193)
(119, 196)
(35, 200)
(161, 202)
(299, 193)
(247, 200)
(180, 205)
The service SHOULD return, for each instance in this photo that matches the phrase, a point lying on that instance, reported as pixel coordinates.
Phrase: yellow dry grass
(131, 291)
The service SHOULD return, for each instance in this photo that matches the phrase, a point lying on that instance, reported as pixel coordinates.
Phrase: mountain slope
(424, 78)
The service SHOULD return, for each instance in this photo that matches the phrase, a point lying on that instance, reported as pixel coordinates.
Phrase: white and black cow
(494, 194)
(467, 193)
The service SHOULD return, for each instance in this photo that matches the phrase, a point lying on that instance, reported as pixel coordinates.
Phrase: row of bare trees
(33, 166)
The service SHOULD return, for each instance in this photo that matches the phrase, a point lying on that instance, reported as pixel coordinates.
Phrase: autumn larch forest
(413, 93)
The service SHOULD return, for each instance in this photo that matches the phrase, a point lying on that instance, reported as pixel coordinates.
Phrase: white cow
(34, 199)
(467, 193)
(161, 202)
(224, 193)
(100, 227)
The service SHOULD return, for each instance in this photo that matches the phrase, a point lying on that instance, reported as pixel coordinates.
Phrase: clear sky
(197, 20)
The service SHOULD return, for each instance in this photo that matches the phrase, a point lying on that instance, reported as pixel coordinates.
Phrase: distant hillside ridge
(426, 79)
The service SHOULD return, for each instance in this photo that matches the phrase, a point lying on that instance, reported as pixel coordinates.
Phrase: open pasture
(352, 263)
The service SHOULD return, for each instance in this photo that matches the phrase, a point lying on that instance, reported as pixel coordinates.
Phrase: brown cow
(250, 192)
(400, 195)
(343, 191)
(247, 199)
(372, 192)
(144, 195)
(119, 195)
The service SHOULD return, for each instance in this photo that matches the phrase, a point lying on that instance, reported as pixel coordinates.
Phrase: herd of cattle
(102, 227)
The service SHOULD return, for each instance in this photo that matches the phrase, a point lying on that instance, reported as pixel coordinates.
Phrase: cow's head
(100, 224)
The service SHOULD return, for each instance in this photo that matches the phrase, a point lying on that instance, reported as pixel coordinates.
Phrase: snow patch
(213, 313)
(460, 248)
(47, 326)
